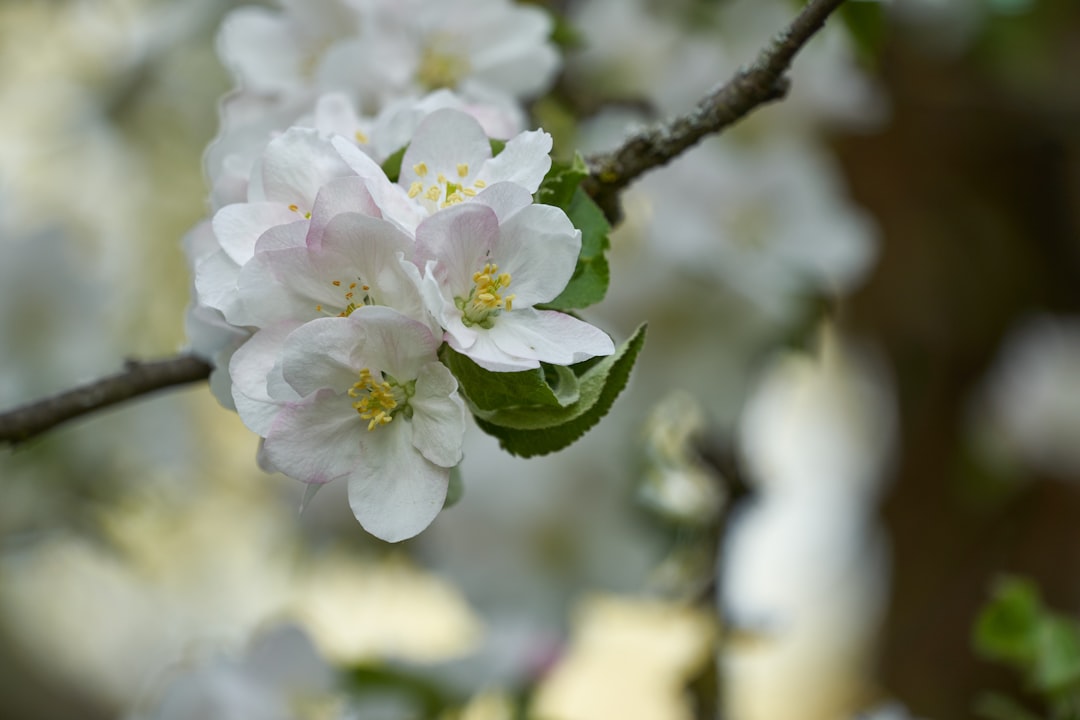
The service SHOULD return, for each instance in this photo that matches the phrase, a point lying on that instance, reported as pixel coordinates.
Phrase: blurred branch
(137, 378)
(750, 88)
(761, 83)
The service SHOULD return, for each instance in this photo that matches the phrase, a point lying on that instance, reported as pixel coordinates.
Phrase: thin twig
(750, 88)
(761, 83)
(137, 378)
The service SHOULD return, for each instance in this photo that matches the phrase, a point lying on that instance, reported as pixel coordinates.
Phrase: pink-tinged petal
(372, 250)
(438, 415)
(349, 194)
(250, 367)
(359, 161)
(505, 198)
(321, 354)
(215, 286)
(548, 336)
(444, 139)
(316, 439)
(441, 306)
(239, 226)
(484, 352)
(461, 239)
(281, 237)
(286, 285)
(539, 247)
(392, 199)
(296, 164)
(245, 41)
(524, 161)
(392, 343)
(200, 242)
(395, 492)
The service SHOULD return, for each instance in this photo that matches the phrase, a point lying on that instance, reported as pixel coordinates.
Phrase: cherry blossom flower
(376, 407)
(485, 269)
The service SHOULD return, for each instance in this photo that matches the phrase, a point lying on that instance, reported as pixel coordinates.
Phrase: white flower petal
(250, 368)
(296, 164)
(349, 194)
(394, 491)
(316, 439)
(321, 354)
(444, 139)
(238, 227)
(539, 247)
(438, 415)
(548, 336)
(524, 161)
(487, 354)
(505, 198)
(215, 285)
(392, 343)
(460, 239)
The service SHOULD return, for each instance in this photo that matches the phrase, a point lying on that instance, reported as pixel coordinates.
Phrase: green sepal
(542, 430)
(392, 165)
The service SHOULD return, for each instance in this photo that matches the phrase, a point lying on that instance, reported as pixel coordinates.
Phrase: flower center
(350, 302)
(440, 66)
(379, 402)
(485, 300)
(444, 192)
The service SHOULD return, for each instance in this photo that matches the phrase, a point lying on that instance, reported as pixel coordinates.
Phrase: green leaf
(561, 181)
(489, 391)
(1008, 626)
(1057, 664)
(392, 165)
(591, 277)
(496, 146)
(538, 431)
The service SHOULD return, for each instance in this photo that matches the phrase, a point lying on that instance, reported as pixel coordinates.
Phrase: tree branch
(137, 378)
(750, 88)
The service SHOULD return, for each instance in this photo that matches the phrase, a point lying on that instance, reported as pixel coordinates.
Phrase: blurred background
(857, 409)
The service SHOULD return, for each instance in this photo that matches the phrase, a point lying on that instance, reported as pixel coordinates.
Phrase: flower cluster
(349, 282)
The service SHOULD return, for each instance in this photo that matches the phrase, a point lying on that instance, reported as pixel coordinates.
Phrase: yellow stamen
(462, 169)
(294, 208)
(433, 193)
(420, 169)
(361, 137)
(416, 188)
(376, 401)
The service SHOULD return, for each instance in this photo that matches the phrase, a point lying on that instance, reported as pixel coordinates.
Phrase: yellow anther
(441, 179)
(416, 188)
(469, 192)
(294, 208)
(375, 401)
(462, 169)
(508, 300)
(365, 288)
(335, 283)
(361, 137)
(352, 286)
(433, 193)
(504, 279)
(307, 216)
(480, 184)
(420, 169)
(318, 308)
(348, 296)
